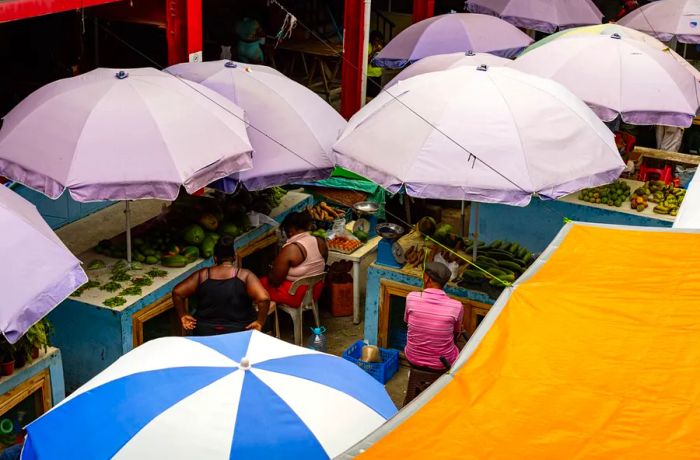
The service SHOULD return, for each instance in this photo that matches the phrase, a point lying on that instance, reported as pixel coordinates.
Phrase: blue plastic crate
(382, 372)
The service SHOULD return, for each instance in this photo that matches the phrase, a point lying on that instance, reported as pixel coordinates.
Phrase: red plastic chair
(665, 174)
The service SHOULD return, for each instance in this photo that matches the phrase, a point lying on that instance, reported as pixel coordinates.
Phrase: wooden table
(357, 258)
(325, 58)
(671, 157)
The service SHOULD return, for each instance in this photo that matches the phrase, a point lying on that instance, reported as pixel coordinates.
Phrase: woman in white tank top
(303, 255)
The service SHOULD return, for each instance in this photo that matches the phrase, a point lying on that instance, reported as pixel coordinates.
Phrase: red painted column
(423, 9)
(353, 57)
(183, 28)
(194, 30)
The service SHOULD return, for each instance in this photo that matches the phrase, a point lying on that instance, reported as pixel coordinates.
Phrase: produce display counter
(536, 225)
(385, 304)
(29, 392)
(358, 258)
(92, 336)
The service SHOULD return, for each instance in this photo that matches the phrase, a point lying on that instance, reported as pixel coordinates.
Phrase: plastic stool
(419, 380)
(665, 174)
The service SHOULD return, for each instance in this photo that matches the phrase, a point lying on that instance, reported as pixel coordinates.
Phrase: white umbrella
(292, 129)
(619, 77)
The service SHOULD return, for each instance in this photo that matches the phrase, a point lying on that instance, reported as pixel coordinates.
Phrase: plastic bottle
(317, 341)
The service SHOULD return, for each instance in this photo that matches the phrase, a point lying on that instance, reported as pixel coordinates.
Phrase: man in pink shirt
(433, 321)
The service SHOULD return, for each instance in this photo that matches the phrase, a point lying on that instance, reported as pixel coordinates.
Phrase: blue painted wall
(536, 225)
(61, 211)
(52, 362)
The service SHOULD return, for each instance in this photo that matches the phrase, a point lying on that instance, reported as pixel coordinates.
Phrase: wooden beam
(13, 10)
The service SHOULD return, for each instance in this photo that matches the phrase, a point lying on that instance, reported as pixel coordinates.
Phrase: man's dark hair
(376, 35)
(224, 250)
(298, 220)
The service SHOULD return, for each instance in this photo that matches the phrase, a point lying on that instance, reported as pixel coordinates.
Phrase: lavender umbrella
(116, 135)
(611, 29)
(447, 61)
(39, 271)
(293, 129)
(667, 19)
(542, 15)
(452, 33)
(619, 77)
(483, 134)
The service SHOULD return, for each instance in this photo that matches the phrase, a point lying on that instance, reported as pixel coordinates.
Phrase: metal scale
(367, 220)
(389, 251)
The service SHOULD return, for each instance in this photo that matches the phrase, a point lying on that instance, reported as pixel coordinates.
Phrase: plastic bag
(453, 266)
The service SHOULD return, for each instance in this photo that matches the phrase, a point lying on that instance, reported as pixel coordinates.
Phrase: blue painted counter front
(376, 273)
(92, 336)
(536, 225)
(50, 360)
(61, 211)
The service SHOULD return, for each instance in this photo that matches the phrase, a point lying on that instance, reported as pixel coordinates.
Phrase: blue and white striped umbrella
(238, 396)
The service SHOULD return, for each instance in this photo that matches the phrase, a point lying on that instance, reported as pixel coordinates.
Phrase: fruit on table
(191, 253)
(612, 194)
(320, 233)
(444, 234)
(325, 213)
(230, 229)
(174, 261)
(151, 260)
(344, 244)
(207, 247)
(360, 235)
(193, 234)
(212, 236)
(209, 222)
(427, 226)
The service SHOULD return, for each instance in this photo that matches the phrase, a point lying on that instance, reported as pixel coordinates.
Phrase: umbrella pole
(461, 222)
(127, 212)
(476, 228)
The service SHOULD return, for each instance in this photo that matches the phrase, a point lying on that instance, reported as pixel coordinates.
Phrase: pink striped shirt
(433, 318)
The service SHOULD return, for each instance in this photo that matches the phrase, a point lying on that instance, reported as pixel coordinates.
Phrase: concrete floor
(106, 223)
(341, 333)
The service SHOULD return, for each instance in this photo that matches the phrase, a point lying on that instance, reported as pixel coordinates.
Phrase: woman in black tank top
(225, 296)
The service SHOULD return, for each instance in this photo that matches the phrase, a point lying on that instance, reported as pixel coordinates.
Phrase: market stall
(121, 308)
(28, 393)
(537, 224)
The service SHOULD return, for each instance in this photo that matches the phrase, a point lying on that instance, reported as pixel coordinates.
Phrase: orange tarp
(596, 355)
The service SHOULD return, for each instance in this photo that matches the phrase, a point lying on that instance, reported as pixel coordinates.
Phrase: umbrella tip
(230, 65)
(482, 68)
(470, 53)
(245, 364)
(616, 36)
(121, 75)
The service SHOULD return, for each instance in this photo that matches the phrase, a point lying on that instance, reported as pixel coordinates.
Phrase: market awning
(594, 353)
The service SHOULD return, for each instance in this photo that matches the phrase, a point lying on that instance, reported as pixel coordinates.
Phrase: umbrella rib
(309, 129)
(517, 130)
(247, 123)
